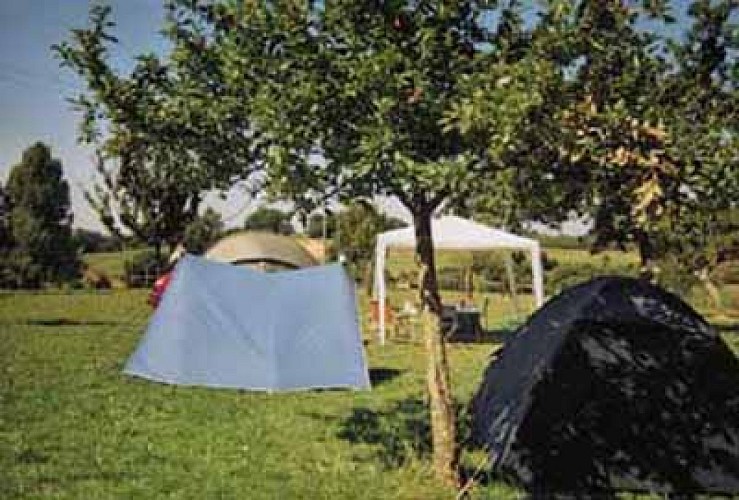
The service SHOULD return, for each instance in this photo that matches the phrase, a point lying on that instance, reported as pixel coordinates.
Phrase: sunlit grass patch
(73, 426)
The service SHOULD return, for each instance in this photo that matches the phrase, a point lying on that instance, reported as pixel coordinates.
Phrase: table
(462, 324)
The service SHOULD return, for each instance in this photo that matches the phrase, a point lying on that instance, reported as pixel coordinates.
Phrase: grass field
(73, 426)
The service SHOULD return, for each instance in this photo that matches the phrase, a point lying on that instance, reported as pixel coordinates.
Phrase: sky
(34, 89)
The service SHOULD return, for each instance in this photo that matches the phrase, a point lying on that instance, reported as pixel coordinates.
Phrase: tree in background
(91, 241)
(160, 145)
(357, 227)
(39, 220)
(701, 99)
(611, 156)
(321, 224)
(4, 220)
(639, 136)
(726, 236)
(6, 243)
(203, 232)
(659, 137)
(269, 219)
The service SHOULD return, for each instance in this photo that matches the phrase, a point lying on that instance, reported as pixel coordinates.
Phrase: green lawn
(72, 426)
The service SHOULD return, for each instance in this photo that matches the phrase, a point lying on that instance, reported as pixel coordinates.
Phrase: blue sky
(33, 87)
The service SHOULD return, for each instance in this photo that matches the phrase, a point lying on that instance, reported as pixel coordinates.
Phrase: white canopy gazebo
(454, 233)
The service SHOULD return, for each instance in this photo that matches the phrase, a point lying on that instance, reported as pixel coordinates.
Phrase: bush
(491, 268)
(202, 232)
(142, 270)
(673, 275)
(565, 242)
(491, 265)
(566, 274)
(19, 270)
(450, 278)
(92, 278)
(271, 220)
(314, 226)
(94, 242)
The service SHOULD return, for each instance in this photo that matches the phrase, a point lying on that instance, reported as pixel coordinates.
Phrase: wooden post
(512, 287)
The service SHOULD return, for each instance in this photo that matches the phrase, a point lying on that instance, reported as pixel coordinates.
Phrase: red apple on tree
(400, 23)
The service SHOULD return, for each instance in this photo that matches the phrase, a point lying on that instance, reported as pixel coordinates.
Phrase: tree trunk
(469, 284)
(647, 256)
(368, 276)
(194, 206)
(158, 252)
(511, 277)
(428, 286)
(441, 403)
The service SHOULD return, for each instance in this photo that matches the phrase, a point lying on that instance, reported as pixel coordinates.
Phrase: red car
(160, 286)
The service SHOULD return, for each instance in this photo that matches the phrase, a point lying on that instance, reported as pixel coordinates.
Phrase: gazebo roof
(452, 232)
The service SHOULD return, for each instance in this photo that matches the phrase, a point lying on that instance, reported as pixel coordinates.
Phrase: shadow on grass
(487, 337)
(727, 328)
(67, 322)
(30, 456)
(402, 432)
(484, 477)
(499, 336)
(379, 376)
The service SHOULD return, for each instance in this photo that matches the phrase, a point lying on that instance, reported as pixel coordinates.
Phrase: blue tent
(219, 325)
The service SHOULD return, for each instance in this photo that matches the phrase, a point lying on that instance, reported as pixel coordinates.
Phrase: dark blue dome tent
(613, 385)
